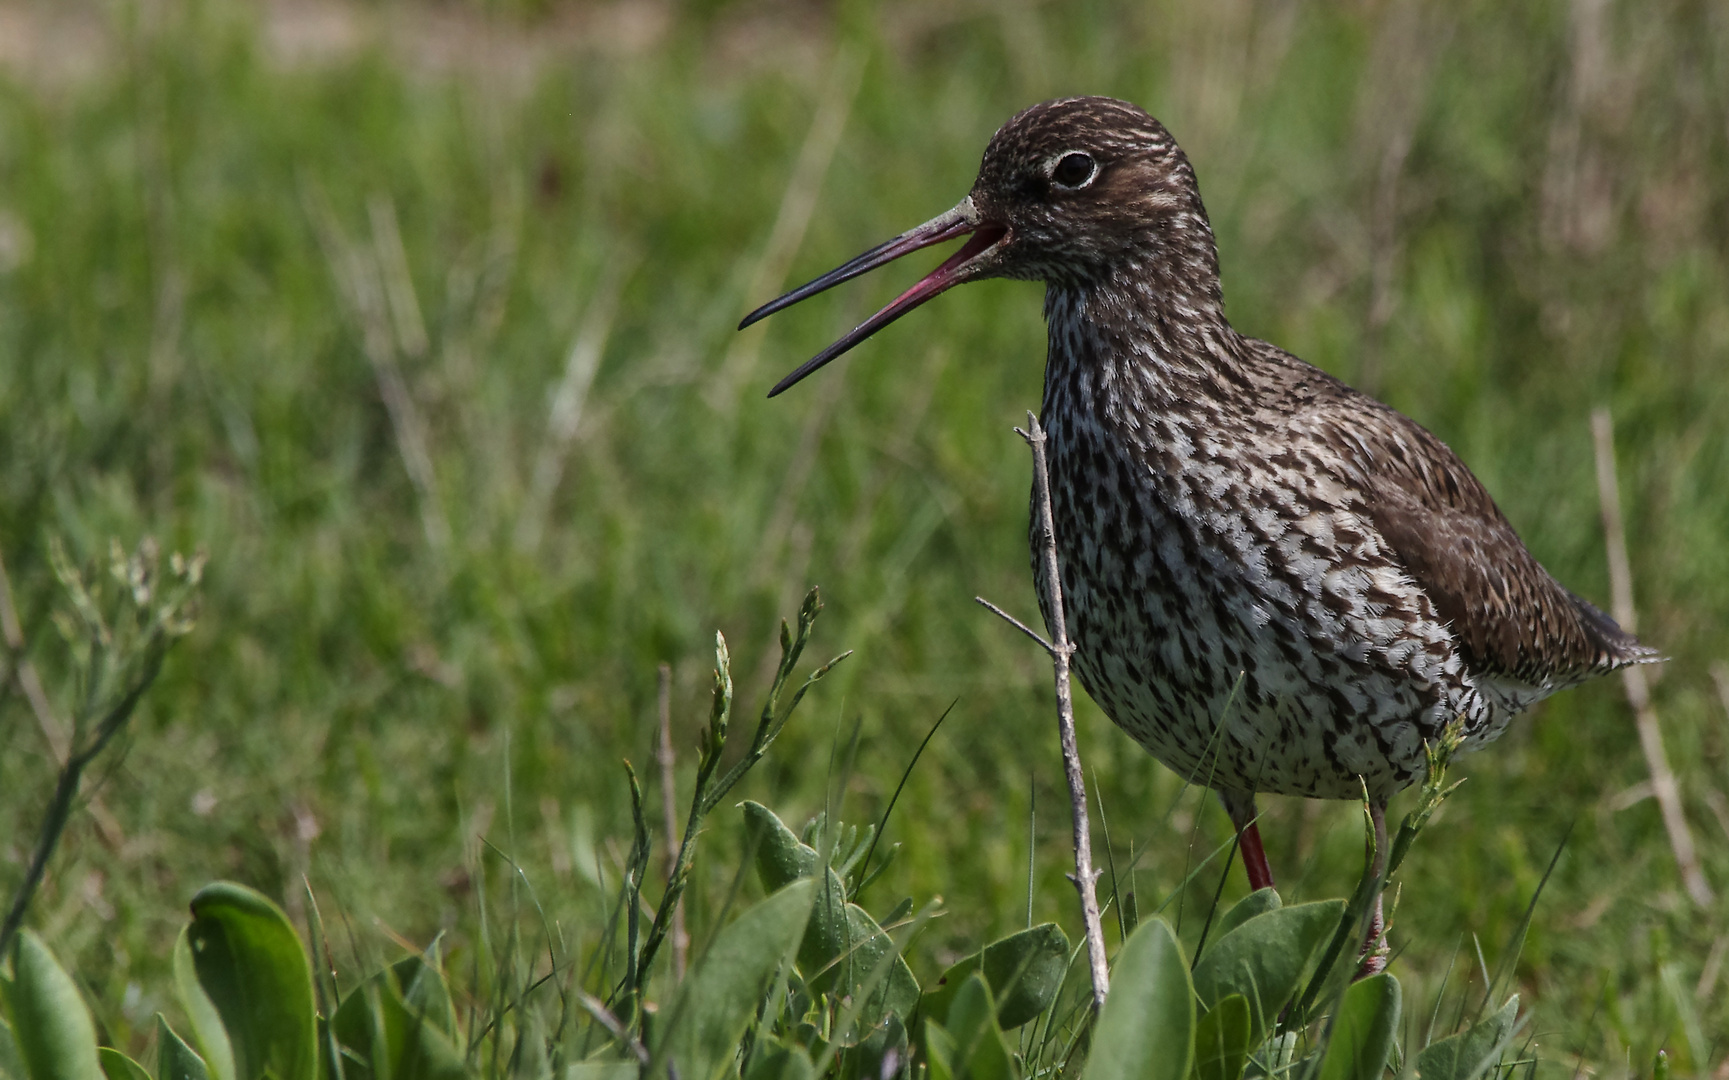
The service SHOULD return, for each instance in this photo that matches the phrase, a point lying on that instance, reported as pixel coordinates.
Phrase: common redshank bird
(1274, 583)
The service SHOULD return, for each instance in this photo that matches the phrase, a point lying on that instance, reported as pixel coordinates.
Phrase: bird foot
(1375, 952)
(1374, 960)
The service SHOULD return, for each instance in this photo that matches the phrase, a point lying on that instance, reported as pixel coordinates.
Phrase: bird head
(1070, 192)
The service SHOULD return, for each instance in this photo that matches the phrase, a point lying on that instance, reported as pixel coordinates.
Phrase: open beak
(961, 221)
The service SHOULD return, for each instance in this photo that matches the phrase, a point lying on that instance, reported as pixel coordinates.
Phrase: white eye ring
(1067, 170)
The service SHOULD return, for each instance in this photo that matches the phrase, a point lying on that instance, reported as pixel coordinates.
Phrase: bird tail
(1616, 648)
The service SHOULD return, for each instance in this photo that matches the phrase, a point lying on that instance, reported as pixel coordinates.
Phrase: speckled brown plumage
(1274, 583)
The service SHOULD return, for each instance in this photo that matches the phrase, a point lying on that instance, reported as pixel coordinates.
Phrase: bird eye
(1073, 170)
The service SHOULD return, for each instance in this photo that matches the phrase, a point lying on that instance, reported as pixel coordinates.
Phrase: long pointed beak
(960, 221)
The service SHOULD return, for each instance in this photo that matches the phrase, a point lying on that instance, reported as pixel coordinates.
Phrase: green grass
(181, 354)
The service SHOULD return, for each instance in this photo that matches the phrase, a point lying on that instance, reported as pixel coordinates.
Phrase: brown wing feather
(1511, 617)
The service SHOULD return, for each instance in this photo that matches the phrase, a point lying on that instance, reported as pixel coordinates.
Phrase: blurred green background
(419, 318)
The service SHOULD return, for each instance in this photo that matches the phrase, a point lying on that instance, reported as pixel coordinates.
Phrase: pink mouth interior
(976, 245)
(938, 281)
(943, 276)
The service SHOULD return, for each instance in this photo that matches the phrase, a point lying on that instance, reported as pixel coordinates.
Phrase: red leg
(1375, 951)
(1255, 857)
(1241, 806)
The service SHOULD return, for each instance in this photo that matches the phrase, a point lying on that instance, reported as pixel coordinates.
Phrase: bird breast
(1232, 607)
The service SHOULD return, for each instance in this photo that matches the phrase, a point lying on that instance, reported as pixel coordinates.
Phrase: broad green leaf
(250, 962)
(1363, 1031)
(1146, 1029)
(425, 991)
(11, 1064)
(1258, 902)
(843, 948)
(117, 1066)
(939, 1052)
(50, 1023)
(842, 945)
(1024, 970)
(208, 1033)
(1471, 1053)
(980, 1053)
(427, 1051)
(1222, 1039)
(781, 858)
(174, 1059)
(391, 1038)
(1265, 959)
(878, 1053)
(359, 1032)
(716, 1003)
(772, 1059)
(773, 1062)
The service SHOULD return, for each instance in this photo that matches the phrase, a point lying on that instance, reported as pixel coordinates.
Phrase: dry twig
(59, 741)
(1061, 649)
(1663, 784)
(568, 399)
(370, 283)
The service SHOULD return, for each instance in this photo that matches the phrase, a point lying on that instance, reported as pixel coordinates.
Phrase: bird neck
(1142, 341)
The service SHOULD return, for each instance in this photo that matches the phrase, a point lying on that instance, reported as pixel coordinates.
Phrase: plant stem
(66, 792)
(708, 759)
(669, 808)
(709, 791)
